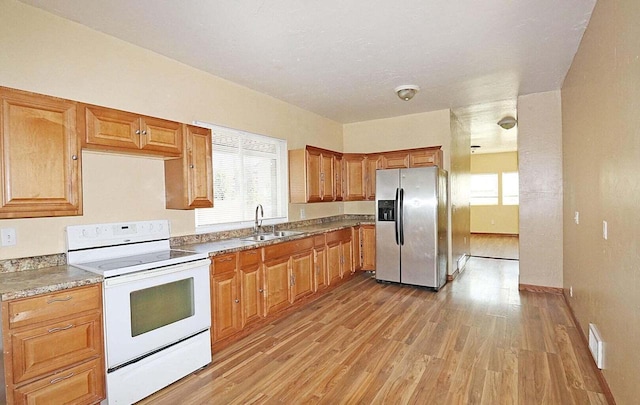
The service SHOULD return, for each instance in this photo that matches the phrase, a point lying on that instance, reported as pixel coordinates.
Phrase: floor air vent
(596, 346)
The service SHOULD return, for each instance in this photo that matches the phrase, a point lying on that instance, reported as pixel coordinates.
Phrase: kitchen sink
(282, 234)
(270, 236)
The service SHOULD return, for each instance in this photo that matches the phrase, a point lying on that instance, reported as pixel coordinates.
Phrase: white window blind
(484, 189)
(510, 188)
(248, 170)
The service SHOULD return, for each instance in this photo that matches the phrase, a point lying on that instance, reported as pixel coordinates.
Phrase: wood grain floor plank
(477, 341)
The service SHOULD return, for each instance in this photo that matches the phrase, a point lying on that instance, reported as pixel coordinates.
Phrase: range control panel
(100, 235)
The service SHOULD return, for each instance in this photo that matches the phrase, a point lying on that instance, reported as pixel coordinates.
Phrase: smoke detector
(407, 91)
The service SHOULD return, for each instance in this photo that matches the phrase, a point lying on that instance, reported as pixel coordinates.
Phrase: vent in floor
(596, 346)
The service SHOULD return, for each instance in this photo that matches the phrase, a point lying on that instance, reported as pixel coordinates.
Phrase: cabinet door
(354, 177)
(224, 305)
(327, 178)
(82, 384)
(347, 258)
(368, 247)
(320, 268)
(373, 163)
(105, 127)
(199, 167)
(251, 288)
(338, 176)
(425, 157)
(396, 160)
(314, 170)
(276, 282)
(302, 269)
(162, 136)
(356, 237)
(334, 259)
(40, 156)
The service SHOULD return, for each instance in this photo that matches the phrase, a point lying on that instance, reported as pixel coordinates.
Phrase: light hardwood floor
(477, 341)
(494, 246)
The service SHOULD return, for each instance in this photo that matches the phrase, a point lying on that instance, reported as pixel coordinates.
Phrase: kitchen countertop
(20, 284)
(27, 283)
(223, 246)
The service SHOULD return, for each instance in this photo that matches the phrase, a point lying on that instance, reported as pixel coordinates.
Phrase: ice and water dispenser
(386, 210)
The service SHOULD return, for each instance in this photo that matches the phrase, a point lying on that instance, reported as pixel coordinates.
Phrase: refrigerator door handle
(401, 216)
(395, 210)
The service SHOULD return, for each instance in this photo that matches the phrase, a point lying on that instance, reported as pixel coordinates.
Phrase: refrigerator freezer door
(387, 250)
(420, 215)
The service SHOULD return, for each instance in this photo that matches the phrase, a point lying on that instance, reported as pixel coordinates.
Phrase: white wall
(540, 168)
(46, 54)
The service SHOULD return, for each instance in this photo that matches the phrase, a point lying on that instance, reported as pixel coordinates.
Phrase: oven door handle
(159, 272)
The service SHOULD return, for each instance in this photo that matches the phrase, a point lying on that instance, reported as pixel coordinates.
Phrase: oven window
(158, 306)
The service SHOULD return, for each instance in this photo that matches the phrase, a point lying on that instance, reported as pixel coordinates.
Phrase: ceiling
(343, 59)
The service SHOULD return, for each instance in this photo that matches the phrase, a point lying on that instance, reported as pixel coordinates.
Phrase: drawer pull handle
(228, 259)
(52, 300)
(253, 253)
(59, 329)
(56, 380)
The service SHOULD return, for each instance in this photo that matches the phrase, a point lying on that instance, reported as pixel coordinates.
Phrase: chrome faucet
(256, 225)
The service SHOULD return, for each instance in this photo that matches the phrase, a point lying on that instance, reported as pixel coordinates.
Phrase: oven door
(152, 309)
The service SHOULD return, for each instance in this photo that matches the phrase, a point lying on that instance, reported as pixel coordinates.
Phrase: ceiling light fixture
(507, 122)
(407, 91)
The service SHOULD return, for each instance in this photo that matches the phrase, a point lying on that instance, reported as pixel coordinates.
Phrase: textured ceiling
(342, 59)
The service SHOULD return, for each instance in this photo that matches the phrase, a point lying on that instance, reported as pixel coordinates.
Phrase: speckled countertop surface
(223, 246)
(27, 283)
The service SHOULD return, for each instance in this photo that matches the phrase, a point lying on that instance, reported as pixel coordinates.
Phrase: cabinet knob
(261, 291)
(137, 132)
(74, 157)
(191, 165)
(144, 132)
(237, 300)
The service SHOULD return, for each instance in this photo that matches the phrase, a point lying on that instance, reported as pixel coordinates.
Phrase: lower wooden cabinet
(276, 285)
(257, 284)
(225, 297)
(339, 255)
(368, 247)
(302, 269)
(83, 384)
(53, 348)
(251, 289)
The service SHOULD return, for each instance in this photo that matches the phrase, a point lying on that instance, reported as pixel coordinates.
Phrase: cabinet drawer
(319, 241)
(287, 248)
(44, 349)
(339, 236)
(249, 258)
(224, 263)
(82, 384)
(52, 306)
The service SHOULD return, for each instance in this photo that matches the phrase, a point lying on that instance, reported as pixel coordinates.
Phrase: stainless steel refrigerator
(411, 226)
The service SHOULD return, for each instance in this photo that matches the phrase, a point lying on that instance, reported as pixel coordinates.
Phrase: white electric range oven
(157, 312)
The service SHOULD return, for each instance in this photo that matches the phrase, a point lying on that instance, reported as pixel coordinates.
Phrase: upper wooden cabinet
(114, 130)
(189, 180)
(312, 175)
(373, 163)
(426, 157)
(354, 176)
(40, 161)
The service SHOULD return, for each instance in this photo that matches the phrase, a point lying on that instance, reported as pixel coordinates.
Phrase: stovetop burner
(122, 248)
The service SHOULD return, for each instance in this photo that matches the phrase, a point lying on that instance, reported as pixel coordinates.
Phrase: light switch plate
(605, 230)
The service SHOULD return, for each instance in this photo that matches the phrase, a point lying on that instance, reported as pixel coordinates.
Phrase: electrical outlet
(605, 230)
(576, 217)
(8, 236)
(302, 214)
